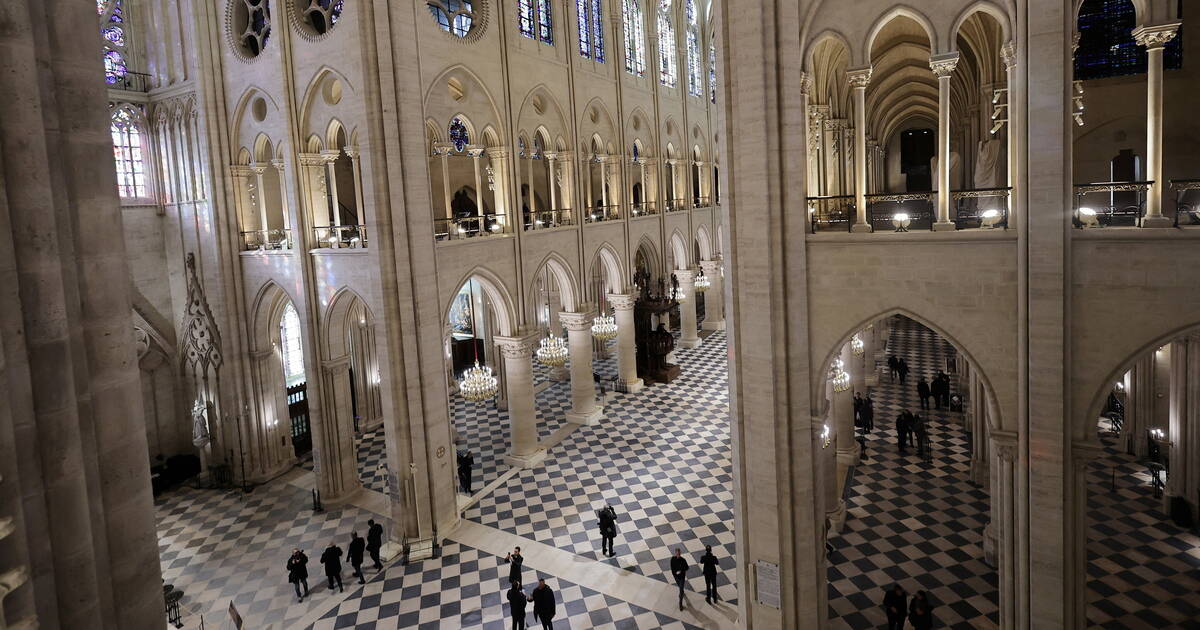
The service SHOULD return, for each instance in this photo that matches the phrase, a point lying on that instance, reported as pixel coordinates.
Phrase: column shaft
(687, 308)
(714, 298)
(626, 343)
(524, 450)
(858, 83)
(943, 67)
(584, 409)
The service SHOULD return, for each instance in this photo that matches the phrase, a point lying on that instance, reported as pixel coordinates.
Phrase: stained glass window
(695, 82)
(712, 73)
(1106, 44)
(458, 135)
(112, 29)
(635, 37)
(129, 154)
(534, 21)
(635, 153)
(323, 14)
(454, 16)
(291, 348)
(591, 29)
(667, 65)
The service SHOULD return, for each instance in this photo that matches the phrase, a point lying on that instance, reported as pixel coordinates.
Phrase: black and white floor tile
(913, 522)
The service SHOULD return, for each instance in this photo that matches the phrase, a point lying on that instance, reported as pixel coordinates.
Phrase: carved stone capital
(352, 152)
(943, 65)
(442, 148)
(517, 348)
(806, 83)
(1156, 36)
(577, 322)
(497, 153)
(859, 77)
(311, 159)
(278, 164)
(621, 302)
(333, 366)
(240, 170)
(259, 169)
(712, 268)
(329, 156)
(475, 150)
(1005, 443)
(1008, 54)
(685, 276)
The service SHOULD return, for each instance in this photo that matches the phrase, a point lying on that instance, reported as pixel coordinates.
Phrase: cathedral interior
(867, 314)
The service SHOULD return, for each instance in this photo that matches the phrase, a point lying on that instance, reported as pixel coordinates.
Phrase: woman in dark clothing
(920, 612)
(516, 602)
(543, 604)
(297, 568)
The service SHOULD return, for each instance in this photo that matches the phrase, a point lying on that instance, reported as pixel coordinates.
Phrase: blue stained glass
(115, 35)
(525, 17)
(545, 27)
(635, 153)
(114, 67)
(458, 135)
(597, 31)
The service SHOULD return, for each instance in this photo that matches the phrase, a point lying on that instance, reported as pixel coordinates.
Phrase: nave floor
(662, 456)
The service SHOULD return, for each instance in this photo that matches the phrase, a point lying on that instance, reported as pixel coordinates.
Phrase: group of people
(908, 427)
(897, 367)
(939, 389)
(918, 610)
(542, 596)
(864, 412)
(331, 559)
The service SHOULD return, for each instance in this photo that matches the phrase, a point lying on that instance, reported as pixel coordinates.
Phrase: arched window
(112, 29)
(635, 37)
(454, 16)
(1106, 44)
(459, 136)
(129, 153)
(712, 73)
(291, 349)
(695, 78)
(534, 20)
(667, 66)
(591, 29)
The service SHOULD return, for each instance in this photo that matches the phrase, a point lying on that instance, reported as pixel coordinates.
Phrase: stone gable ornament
(201, 340)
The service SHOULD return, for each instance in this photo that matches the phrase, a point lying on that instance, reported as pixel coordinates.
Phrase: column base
(837, 517)
(990, 546)
(859, 228)
(849, 457)
(560, 374)
(586, 419)
(944, 227)
(526, 461)
(631, 387)
(419, 549)
(713, 325)
(343, 498)
(1157, 222)
(690, 343)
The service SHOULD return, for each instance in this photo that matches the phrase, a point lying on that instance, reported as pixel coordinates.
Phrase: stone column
(584, 409)
(943, 67)
(1154, 38)
(476, 154)
(841, 412)
(714, 298)
(525, 451)
(498, 157)
(835, 507)
(687, 308)
(551, 172)
(260, 197)
(330, 157)
(334, 449)
(355, 170)
(603, 184)
(442, 151)
(627, 378)
(858, 83)
(1184, 384)
(1004, 527)
(870, 374)
(1008, 54)
(1139, 405)
(1189, 432)
(283, 205)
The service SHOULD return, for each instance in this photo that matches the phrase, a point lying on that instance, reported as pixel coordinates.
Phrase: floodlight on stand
(1088, 218)
(355, 242)
(1078, 116)
(990, 218)
(901, 221)
(495, 227)
(998, 125)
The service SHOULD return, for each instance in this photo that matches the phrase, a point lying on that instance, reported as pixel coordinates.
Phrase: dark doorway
(916, 153)
(297, 396)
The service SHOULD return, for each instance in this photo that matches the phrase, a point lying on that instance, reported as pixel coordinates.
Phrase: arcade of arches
(856, 295)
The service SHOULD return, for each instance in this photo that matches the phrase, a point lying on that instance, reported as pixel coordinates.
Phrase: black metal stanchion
(316, 499)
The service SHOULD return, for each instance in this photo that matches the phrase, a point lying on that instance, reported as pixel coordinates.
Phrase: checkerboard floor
(1143, 571)
(661, 457)
(916, 523)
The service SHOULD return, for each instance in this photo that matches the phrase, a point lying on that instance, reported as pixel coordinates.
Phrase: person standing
(945, 388)
(922, 439)
(895, 604)
(893, 366)
(901, 430)
(679, 569)
(332, 559)
(297, 568)
(466, 465)
(920, 612)
(903, 369)
(516, 603)
(868, 414)
(923, 391)
(543, 604)
(374, 541)
(608, 529)
(858, 405)
(355, 554)
(709, 565)
(514, 561)
(936, 389)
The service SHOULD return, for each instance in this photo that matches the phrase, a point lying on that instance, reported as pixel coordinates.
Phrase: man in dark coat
(895, 604)
(910, 424)
(355, 554)
(332, 559)
(543, 604)
(709, 565)
(868, 414)
(374, 541)
(920, 612)
(466, 464)
(922, 438)
(945, 388)
(679, 569)
(902, 430)
(902, 368)
(608, 529)
(935, 388)
(297, 568)
(514, 561)
(893, 366)
(516, 602)
(923, 391)
(858, 405)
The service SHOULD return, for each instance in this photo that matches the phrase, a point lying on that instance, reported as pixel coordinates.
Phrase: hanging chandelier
(826, 437)
(838, 377)
(604, 327)
(552, 352)
(857, 346)
(478, 384)
(701, 283)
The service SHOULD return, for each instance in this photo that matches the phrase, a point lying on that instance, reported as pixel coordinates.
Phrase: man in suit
(608, 529)
(374, 541)
(679, 569)
(355, 554)
(709, 566)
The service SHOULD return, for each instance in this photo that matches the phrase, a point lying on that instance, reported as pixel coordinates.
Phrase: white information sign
(767, 581)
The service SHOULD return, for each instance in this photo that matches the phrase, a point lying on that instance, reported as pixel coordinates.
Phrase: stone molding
(1156, 36)
(621, 302)
(685, 276)
(806, 83)
(1008, 54)
(577, 322)
(859, 77)
(518, 347)
(943, 65)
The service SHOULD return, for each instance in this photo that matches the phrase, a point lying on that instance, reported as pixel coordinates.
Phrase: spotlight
(355, 242)
(996, 126)
(997, 110)
(990, 218)
(1088, 218)
(495, 227)
(901, 221)
(1078, 116)
(997, 93)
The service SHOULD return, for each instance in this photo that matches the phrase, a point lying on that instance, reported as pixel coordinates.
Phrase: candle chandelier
(604, 327)
(701, 283)
(552, 352)
(477, 384)
(838, 377)
(857, 346)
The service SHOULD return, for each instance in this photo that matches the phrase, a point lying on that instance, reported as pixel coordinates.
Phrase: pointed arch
(311, 103)
(568, 286)
(935, 44)
(649, 251)
(498, 296)
(704, 241)
(610, 263)
(679, 250)
(339, 317)
(989, 8)
(240, 111)
(265, 313)
(469, 97)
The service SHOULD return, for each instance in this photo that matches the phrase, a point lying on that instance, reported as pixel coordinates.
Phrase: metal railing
(900, 212)
(1126, 210)
(645, 209)
(675, 205)
(340, 237)
(132, 82)
(1187, 201)
(597, 214)
(701, 202)
(266, 240)
(981, 208)
(831, 213)
(469, 227)
(546, 219)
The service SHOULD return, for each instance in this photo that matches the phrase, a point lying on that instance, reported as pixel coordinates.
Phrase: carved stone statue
(200, 434)
(987, 165)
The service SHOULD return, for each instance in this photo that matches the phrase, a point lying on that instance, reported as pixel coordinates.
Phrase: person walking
(679, 569)
(920, 612)
(895, 604)
(354, 553)
(868, 414)
(893, 366)
(902, 368)
(911, 423)
(543, 604)
(901, 430)
(858, 405)
(514, 560)
(332, 559)
(935, 388)
(922, 438)
(516, 603)
(923, 391)
(297, 568)
(709, 566)
(466, 464)
(374, 541)
(608, 529)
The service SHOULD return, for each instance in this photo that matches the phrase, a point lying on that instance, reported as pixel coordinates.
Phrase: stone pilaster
(687, 308)
(627, 378)
(714, 298)
(525, 451)
(584, 409)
